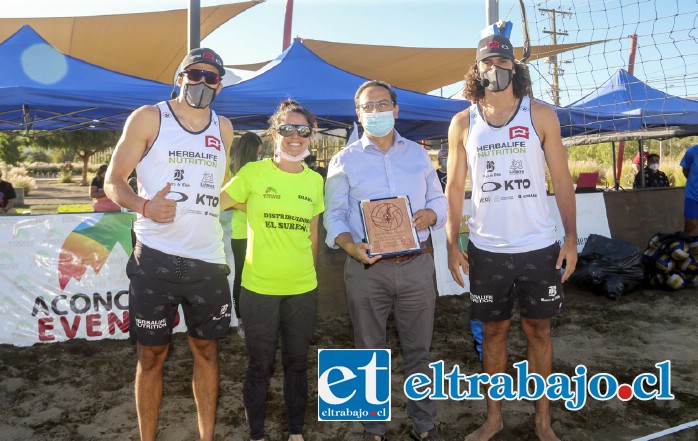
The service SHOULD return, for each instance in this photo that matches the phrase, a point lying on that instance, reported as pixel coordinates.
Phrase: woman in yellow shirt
(283, 199)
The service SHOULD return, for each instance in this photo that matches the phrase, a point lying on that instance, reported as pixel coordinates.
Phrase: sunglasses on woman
(211, 78)
(287, 130)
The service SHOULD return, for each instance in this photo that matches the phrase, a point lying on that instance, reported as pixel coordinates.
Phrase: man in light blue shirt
(384, 164)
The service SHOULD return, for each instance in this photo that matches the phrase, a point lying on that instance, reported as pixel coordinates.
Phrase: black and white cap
(494, 46)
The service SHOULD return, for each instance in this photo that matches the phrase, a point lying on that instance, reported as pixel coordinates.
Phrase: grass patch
(75, 208)
(44, 209)
(54, 208)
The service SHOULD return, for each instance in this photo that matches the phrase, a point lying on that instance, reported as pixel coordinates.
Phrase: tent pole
(631, 69)
(661, 151)
(618, 165)
(640, 143)
(613, 159)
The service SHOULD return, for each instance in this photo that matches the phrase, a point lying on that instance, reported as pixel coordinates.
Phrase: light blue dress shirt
(362, 171)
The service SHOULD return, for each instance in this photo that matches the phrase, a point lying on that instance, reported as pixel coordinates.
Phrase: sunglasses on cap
(287, 130)
(211, 78)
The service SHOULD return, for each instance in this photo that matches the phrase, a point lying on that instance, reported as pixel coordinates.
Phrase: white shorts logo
(481, 299)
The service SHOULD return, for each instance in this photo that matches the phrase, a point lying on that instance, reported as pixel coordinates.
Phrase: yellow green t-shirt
(280, 207)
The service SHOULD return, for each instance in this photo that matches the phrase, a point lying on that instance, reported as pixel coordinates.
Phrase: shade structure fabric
(146, 45)
(43, 89)
(412, 68)
(328, 91)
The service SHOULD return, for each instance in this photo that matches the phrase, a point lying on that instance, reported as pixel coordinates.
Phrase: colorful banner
(64, 277)
(591, 219)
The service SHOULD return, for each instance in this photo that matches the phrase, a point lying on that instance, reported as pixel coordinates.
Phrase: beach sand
(83, 390)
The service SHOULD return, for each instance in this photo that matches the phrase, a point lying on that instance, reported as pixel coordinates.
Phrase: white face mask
(289, 157)
(654, 167)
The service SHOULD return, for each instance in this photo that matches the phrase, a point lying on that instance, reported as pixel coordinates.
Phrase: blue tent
(624, 103)
(43, 89)
(329, 93)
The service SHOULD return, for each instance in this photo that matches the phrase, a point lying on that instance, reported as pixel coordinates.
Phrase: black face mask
(496, 79)
(199, 95)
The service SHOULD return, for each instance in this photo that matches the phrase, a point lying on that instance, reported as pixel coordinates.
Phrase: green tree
(80, 144)
(600, 153)
(11, 146)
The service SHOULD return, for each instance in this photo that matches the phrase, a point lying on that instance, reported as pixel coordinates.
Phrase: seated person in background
(7, 195)
(133, 182)
(636, 159)
(100, 201)
(653, 177)
(441, 171)
(311, 162)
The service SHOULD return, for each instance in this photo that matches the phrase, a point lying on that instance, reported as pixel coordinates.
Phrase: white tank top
(194, 163)
(509, 207)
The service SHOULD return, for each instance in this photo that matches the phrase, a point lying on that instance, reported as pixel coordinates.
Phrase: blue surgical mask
(379, 124)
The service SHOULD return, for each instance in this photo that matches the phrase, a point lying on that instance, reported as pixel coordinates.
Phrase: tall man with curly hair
(506, 139)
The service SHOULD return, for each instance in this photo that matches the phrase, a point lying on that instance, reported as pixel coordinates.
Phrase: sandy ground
(80, 390)
(51, 192)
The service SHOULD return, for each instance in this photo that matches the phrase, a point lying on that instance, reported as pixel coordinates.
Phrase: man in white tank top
(505, 140)
(179, 149)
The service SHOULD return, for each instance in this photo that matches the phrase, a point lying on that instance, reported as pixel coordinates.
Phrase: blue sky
(667, 57)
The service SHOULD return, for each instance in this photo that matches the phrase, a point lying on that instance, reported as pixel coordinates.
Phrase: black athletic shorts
(531, 277)
(161, 282)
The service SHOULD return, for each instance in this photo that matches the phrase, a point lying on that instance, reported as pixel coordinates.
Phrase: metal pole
(194, 24)
(613, 158)
(288, 25)
(640, 148)
(661, 151)
(631, 69)
(491, 12)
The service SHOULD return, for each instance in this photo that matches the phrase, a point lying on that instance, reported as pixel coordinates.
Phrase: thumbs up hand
(160, 209)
